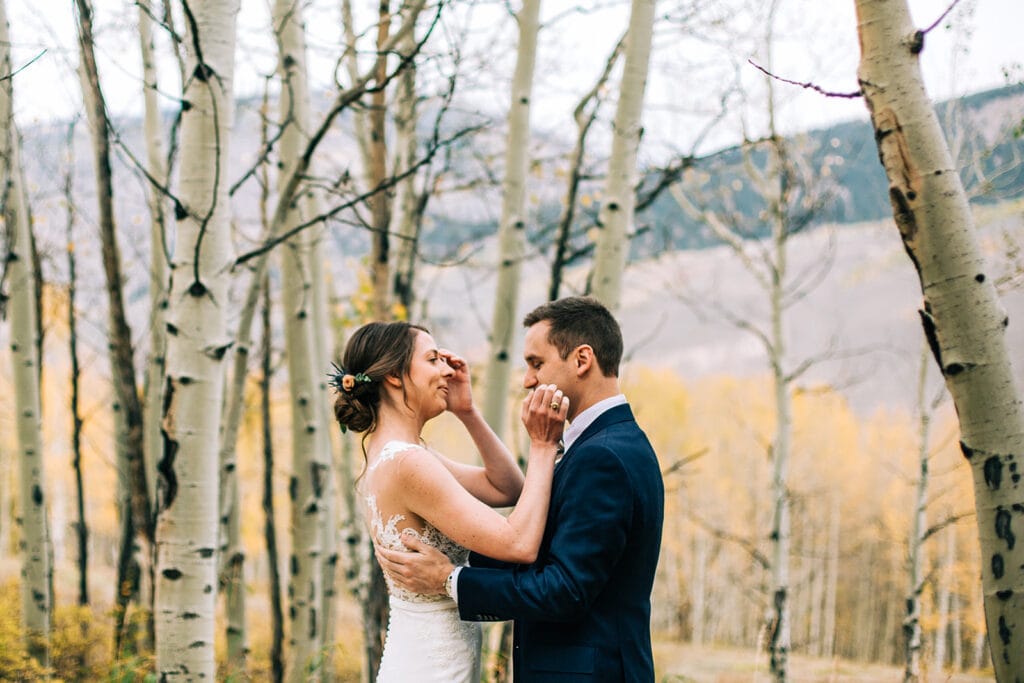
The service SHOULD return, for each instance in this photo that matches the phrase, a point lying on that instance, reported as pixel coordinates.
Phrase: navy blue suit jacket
(582, 611)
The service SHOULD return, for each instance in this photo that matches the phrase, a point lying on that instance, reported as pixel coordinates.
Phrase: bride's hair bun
(375, 351)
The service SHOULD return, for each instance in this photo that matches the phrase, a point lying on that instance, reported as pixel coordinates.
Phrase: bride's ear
(394, 381)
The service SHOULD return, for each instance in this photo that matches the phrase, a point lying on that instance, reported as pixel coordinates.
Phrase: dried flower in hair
(344, 381)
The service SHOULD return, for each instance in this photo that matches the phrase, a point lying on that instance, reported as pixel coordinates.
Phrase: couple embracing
(573, 563)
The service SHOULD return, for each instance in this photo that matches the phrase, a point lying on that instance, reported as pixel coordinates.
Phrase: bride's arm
(429, 490)
(500, 481)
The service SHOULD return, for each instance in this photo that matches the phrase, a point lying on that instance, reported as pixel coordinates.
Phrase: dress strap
(389, 451)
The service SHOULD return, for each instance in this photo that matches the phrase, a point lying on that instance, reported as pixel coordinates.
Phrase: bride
(394, 379)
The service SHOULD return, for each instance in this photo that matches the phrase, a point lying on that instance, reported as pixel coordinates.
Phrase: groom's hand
(423, 570)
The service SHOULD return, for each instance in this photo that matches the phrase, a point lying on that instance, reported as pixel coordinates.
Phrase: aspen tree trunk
(407, 200)
(779, 642)
(81, 528)
(780, 635)
(360, 124)
(698, 588)
(121, 358)
(912, 621)
(512, 229)
(955, 622)
(269, 528)
(832, 581)
(197, 343)
(380, 203)
(36, 598)
(619, 197)
(320, 363)
(129, 572)
(963, 321)
(944, 601)
(140, 532)
(584, 120)
(156, 168)
(310, 463)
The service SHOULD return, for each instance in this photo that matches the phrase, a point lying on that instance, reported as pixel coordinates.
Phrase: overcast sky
(816, 42)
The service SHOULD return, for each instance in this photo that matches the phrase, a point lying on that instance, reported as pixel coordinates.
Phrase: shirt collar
(587, 417)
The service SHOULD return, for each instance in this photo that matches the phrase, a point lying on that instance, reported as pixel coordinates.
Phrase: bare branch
(952, 519)
(810, 86)
(683, 461)
(938, 21)
(358, 199)
(744, 543)
(22, 67)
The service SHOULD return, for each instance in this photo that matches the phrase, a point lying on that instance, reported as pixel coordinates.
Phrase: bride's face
(427, 385)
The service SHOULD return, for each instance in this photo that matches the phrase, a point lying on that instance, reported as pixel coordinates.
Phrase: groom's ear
(583, 358)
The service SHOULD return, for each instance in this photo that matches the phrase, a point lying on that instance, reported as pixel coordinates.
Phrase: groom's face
(544, 365)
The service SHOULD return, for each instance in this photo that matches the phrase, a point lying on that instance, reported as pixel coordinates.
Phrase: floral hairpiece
(346, 382)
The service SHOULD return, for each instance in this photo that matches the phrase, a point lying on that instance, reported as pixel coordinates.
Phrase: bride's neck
(395, 425)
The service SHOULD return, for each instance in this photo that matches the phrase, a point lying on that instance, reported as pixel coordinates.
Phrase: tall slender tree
(310, 463)
(36, 599)
(277, 663)
(963, 322)
(138, 519)
(156, 169)
(512, 228)
(81, 527)
(407, 205)
(186, 535)
(618, 198)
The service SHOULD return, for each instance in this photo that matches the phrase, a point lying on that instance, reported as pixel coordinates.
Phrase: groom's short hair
(578, 320)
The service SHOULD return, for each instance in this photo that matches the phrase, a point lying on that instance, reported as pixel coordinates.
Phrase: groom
(582, 610)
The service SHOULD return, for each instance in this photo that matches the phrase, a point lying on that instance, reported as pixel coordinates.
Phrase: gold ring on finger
(555, 405)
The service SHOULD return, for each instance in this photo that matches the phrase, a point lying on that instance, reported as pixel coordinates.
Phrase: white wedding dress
(426, 641)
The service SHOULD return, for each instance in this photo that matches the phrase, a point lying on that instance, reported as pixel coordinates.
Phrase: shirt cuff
(454, 583)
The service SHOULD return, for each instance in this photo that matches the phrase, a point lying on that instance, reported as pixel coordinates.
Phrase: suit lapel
(620, 413)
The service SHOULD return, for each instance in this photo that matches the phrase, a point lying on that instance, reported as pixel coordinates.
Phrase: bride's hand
(460, 392)
(544, 413)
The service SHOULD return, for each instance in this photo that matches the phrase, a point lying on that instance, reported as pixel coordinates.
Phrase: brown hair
(578, 320)
(376, 350)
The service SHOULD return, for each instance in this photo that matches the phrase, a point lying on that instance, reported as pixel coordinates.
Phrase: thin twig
(809, 86)
(943, 16)
(22, 67)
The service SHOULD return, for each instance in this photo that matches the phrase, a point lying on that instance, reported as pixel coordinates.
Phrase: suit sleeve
(590, 524)
(478, 560)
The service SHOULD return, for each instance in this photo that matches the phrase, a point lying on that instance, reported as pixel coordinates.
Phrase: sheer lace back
(388, 535)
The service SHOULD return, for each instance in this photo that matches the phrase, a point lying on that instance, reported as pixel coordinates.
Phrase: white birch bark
(360, 125)
(963, 320)
(310, 464)
(698, 588)
(956, 635)
(779, 642)
(407, 201)
(187, 509)
(380, 203)
(320, 362)
(832, 581)
(619, 196)
(512, 229)
(156, 168)
(912, 636)
(35, 559)
(942, 605)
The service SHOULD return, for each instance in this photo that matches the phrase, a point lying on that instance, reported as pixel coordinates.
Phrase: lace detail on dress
(387, 534)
